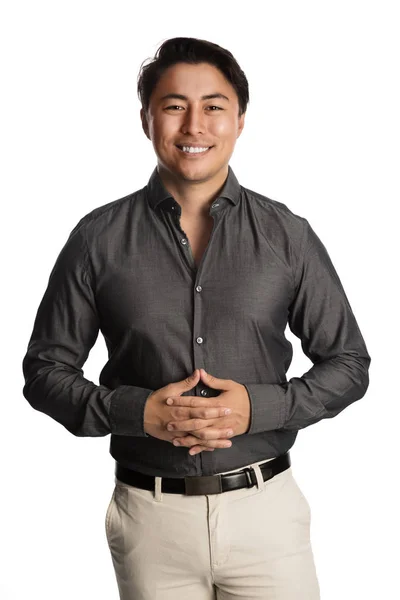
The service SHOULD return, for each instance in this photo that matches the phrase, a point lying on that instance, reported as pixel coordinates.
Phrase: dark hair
(191, 51)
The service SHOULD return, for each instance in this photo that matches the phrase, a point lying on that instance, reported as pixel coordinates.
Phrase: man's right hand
(157, 413)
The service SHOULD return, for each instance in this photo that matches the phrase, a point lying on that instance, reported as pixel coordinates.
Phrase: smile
(193, 151)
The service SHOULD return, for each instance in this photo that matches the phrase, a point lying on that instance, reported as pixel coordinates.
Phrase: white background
(321, 135)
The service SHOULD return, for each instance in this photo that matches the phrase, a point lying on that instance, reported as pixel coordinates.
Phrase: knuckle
(205, 443)
(213, 443)
(206, 434)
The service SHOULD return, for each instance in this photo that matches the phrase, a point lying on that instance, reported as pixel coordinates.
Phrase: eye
(178, 106)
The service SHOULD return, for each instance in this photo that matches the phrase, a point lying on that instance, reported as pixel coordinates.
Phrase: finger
(205, 429)
(215, 382)
(193, 401)
(201, 449)
(202, 416)
(190, 440)
(197, 449)
(210, 413)
(189, 425)
(185, 413)
(188, 383)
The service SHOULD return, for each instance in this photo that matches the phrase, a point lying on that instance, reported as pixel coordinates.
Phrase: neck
(194, 197)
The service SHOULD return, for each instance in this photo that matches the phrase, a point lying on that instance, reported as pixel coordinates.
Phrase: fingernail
(176, 442)
(169, 427)
(229, 432)
(228, 411)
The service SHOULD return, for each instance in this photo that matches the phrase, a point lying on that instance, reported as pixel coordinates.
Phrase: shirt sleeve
(65, 329)
(321, 317)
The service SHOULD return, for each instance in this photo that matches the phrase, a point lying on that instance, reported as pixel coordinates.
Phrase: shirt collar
(157, 193)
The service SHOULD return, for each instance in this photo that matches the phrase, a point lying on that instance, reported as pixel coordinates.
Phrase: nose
(193, 121)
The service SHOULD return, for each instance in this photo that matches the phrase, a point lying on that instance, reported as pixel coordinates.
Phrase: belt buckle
(199, 484)
(247, 471)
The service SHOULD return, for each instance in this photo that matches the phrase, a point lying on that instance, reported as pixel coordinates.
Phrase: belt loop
(259, 477)
(157, 490)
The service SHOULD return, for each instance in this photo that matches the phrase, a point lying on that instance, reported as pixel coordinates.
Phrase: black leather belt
(208, 484)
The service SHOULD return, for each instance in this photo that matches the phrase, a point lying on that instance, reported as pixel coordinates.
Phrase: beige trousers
(246, 543)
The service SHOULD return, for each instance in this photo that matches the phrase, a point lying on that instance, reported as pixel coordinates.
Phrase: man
(192, 281)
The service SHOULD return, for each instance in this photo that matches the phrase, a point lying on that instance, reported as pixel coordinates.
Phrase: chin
(199, 174)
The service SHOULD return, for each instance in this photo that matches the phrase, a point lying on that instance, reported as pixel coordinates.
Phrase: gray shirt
(127, 270)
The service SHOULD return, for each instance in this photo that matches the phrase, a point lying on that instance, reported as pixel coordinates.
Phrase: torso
(198, 232)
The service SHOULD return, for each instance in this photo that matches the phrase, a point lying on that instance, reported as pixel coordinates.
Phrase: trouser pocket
(109, 514)
(303, 503)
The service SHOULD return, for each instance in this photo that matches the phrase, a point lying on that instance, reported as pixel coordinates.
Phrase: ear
(145, 124)
(241, 124)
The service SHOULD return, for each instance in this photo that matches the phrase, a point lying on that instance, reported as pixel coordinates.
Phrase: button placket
(198, 342)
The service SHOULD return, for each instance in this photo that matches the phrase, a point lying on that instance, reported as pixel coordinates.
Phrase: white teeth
(193, 150)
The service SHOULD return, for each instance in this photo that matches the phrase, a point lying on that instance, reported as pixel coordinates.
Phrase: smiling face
(182, 113)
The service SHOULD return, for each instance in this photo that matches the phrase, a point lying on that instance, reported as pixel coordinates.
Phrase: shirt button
(184, 241)
(203, 392)
(199, 340)
(198, 288)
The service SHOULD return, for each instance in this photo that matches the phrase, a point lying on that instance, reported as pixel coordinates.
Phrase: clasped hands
(201, 423)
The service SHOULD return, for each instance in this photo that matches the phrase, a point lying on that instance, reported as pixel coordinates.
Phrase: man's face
(174, 121)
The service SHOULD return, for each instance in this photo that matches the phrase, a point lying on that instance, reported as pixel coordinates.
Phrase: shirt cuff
(127, 410)
(267, 405)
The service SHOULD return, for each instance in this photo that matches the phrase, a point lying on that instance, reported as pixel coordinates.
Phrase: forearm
(322, 392)
(82, 407)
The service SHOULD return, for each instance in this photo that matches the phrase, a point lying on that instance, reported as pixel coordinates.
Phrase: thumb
(190, 381)
(214, 382)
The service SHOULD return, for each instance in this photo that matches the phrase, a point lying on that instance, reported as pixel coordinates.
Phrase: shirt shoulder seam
(99, 211)
(90, 218)
(271, 202)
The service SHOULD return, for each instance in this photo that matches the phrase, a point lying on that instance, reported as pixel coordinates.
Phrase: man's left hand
(233, 395)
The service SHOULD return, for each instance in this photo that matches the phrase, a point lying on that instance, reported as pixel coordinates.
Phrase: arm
(321, 316)
(65, 329)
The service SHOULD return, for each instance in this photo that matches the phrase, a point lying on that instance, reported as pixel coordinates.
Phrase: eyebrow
(206, 97)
